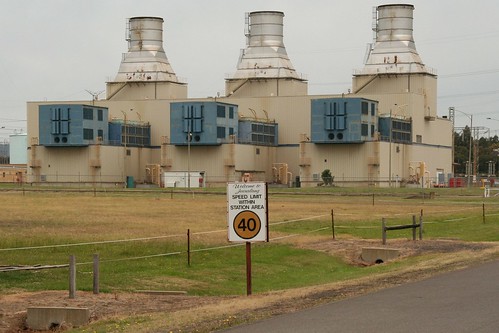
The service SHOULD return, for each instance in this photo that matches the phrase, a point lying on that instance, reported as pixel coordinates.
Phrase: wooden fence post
(96, 274)
(332, 222)
(413, 227)
(383, 228)
(421, 227)
(483, 212)
(72, 276)
(189, 247)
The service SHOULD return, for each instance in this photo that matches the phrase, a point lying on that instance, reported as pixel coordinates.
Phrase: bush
(327, 178)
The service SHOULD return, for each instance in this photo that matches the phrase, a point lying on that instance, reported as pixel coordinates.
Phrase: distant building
(383, 133)
(17, 148)
(4, 153)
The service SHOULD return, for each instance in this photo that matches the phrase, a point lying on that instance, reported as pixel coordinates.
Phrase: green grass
(215, 272)
(276, 265)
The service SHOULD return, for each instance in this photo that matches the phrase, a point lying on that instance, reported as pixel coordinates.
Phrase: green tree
(485, 150)
(327, 178)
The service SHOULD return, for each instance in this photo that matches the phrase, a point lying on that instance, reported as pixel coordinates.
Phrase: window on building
(100, 134)
(261, 134)
(231, 112)
(220, 132)
(373, 109)
(136, 135)
(401, 130)
(88, 114)
(231, 131)
(364, 107)
(364, 130)
(100, 115)
(221, 111)
(88, 134)
(372, 131)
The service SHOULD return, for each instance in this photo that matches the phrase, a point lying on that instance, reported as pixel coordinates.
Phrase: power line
(481, 72)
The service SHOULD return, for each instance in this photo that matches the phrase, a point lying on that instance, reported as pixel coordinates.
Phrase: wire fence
(212, 248)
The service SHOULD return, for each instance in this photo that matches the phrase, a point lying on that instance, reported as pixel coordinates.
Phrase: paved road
(461, 301)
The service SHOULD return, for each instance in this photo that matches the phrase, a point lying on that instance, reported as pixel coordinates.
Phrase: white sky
(57, 49)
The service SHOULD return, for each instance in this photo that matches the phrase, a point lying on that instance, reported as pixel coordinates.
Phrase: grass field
(141, 236)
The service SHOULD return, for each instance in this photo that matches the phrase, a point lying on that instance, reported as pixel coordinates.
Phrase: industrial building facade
(385, 132)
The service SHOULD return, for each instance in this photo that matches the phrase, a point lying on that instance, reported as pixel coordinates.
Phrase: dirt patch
(220, 312)
(13, 307)
(350, 250)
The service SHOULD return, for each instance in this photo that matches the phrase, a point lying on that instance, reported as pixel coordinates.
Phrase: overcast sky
(57, 49)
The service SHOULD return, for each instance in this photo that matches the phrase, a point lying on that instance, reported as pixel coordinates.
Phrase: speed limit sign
(247, 212)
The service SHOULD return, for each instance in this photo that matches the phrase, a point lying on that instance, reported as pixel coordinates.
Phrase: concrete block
(377, 255)
(45, 318)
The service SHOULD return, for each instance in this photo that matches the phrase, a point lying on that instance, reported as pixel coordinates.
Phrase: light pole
(125, 139)
(189, 137)
(470, 117)
(124, 143)
(390, 152)
(494, 120)
(495, 150)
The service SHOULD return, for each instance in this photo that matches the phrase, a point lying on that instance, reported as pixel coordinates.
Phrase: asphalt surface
(460, 301)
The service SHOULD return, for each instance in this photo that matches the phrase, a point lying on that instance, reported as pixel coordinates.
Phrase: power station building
(385, 132)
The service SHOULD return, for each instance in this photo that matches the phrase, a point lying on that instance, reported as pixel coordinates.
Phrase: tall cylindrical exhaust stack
(264, 68)
(265, 55)
(395, 23)
(145, 62)
(266, 29)
(393, 72)
(393, 50)
(146, 59)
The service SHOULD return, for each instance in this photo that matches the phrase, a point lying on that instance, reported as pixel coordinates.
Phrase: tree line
(484, 152)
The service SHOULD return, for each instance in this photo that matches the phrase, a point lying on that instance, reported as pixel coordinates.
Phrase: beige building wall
(349, 163)
(137, 90)
(394, 91)
(265, 87)
(224, 163)
(365, 163)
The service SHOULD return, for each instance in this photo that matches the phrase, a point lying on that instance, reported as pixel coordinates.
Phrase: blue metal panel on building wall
(338, 120)
(202, 121)
(63, 124)
(115, 133)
